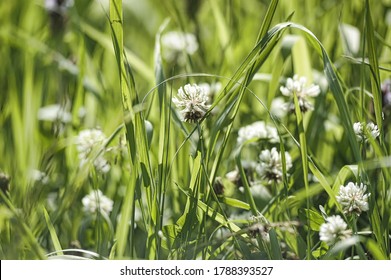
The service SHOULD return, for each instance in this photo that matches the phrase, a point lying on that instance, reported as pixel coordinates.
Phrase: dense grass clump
(195, 129)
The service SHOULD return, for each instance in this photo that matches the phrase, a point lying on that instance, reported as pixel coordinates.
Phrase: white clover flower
(276, 108)
(211, 89)
(353, 198)
(333, 229)
(176, 45)
(97, 201)
(358, 130)
(53, 113)
(258, 130)
(89, 141)
(270, 165)
(297, 85)
(192, 102)
(371, 129)
(259, 229)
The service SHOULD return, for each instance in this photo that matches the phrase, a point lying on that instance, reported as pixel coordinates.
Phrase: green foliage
(177, 190)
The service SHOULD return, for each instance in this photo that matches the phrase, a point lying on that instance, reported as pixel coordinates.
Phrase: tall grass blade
(374, 68)
(53, 234)
(135, 127)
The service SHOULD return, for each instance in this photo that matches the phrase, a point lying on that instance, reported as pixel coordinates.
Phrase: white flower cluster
(297, 85)
(270, 165)
(89, 142)
(191, 101)
(176, 45)
(353, 198)
(97, 201)
(211, 89)
(333, 229)
(259, 131)
(276, 108)
(371, 129)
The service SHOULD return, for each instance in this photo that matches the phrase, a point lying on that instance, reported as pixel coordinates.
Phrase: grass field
(196, 129)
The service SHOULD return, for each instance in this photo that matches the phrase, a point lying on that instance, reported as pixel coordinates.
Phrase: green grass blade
(236, 203)
(138, 64)
(271, 10)
(24, 229)
(53, 234)
(374, 67)
(304, 162)
(249, 197)
(128, 94)
(223, 30)
(275, 246)
(375, 249)
(164, 132)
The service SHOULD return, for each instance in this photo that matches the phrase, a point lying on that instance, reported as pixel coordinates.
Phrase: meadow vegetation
(197, 129)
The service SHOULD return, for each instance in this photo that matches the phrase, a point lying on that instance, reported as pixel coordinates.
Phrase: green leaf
(315, 219)
(304, 162)
(246, 185)
(236, 203)
(212, 213)
(375, 249)
(53, 234)
(275, 245)
(223, 30)
(301, 59)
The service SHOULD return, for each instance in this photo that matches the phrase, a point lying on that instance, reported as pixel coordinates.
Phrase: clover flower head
(259, 131)
(353, 199)
(89, 141)
(270, 165)
(191, 101)
(97, 201)
(361, 135)
(211, 89)
(333, 229)
(176, 45)
(297, 85)
(275, 108)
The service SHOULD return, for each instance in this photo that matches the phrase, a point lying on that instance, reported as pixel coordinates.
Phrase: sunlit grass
(158, 187)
